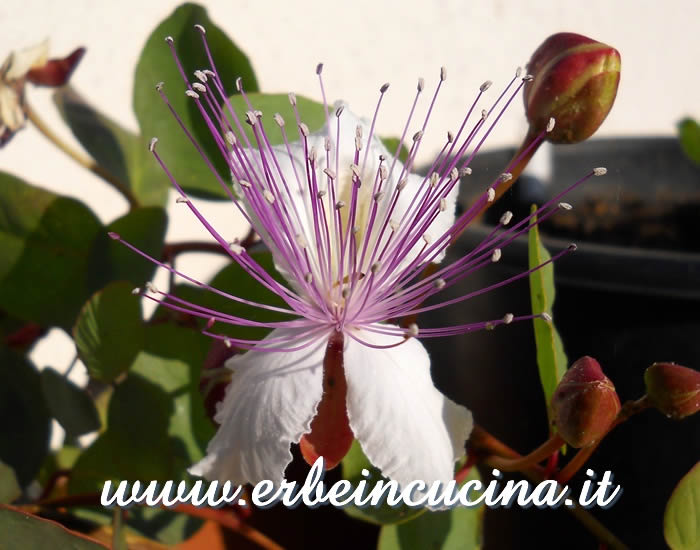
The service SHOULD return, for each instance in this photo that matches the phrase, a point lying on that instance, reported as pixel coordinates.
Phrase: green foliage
(551, 359)
(69, 404)
(9, 486)
(120, 152)
(24, 417)
(392, 144)
(689, 136)
(682, 516)
(455, 529)
(109, 332)
(20, 530)
(156, 64)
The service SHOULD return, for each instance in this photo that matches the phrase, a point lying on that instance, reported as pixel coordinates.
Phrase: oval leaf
(682, 516)
(156, 64)
(109, 331)
(69, 404)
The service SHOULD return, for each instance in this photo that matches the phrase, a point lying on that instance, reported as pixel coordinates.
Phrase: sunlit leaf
(156, 64)
(24, 417)
(109, 333)
(69, 404)
(551, 359)
(682, 516)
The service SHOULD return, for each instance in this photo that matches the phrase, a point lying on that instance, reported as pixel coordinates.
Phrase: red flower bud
(673, 390)
(575, 82)
(56, 72)
(585, 403)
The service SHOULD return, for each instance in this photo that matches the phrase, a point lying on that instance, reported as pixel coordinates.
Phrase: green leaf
(24, 418)
(69, 404)
(156, 64)
(682, 516)
(455, 529)
(689, 136)
(120, 152)
(551, 359)
(9, 486)
(391, 144)
(46, 242)
(156, 426)
(21, 530)
(353, 464)
(109, 333)
(145, 229)
(311, 113)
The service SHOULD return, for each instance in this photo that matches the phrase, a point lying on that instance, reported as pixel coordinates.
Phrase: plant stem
(80, 158)
(538, 455)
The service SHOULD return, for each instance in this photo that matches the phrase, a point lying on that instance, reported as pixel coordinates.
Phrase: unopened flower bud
(585, 403)
(575, 82)
(672, 389)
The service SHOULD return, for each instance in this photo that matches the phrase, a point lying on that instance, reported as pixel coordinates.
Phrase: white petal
(22, 61)
(406, 427)
(269, 405)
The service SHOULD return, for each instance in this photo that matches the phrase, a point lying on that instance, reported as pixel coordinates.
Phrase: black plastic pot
(623, 305)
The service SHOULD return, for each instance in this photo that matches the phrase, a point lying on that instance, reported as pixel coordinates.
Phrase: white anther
(418, 135)
(358, 144)
(321, 193)
(251, 118)
(600, 171)
(383, 172)
(358, 131)
(378, 196)
(209, 73)
(239, 84)
(301, 240)
(327, 143)
(384, 87)
(546, 317)
(528, 78)
(484, 114)
(439, 283)
(485, 86)
(355, 229)
(278, 119)
(200, 28)
(496, 255)
(200, 75)
(269, 197)
(258, 113)
(192, 94)
(565, 206)
(550, 124)
(230, 137)
(506, 176)
(454, 174)
(443, 74)
(169, 39)
(236, 248)
(150, 287)
(466, 171)
(421, 84)
(312, 155)
(330, 173)
(427, 238)
(227, 342)
(434, 177)
(309, 278)
(292, 98)
(450, 137)
(507, 318)
(159, 86)
(152, 144)
(339, 205)
(402, 183)
(199, 87)
(244, 183)
(339, 111)
(394, 225)
(572, 247)
(319, 68)
(443, 204)
(304, 129)
(412, 330)
(181, 200)
(355, 170)
(491, 195)
(518, 72)
(136, 291)
(506, 217)
(375, 267)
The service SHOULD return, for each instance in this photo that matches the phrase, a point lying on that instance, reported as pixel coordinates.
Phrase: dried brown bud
(672, 389)
(575, 82)
(585, 403)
